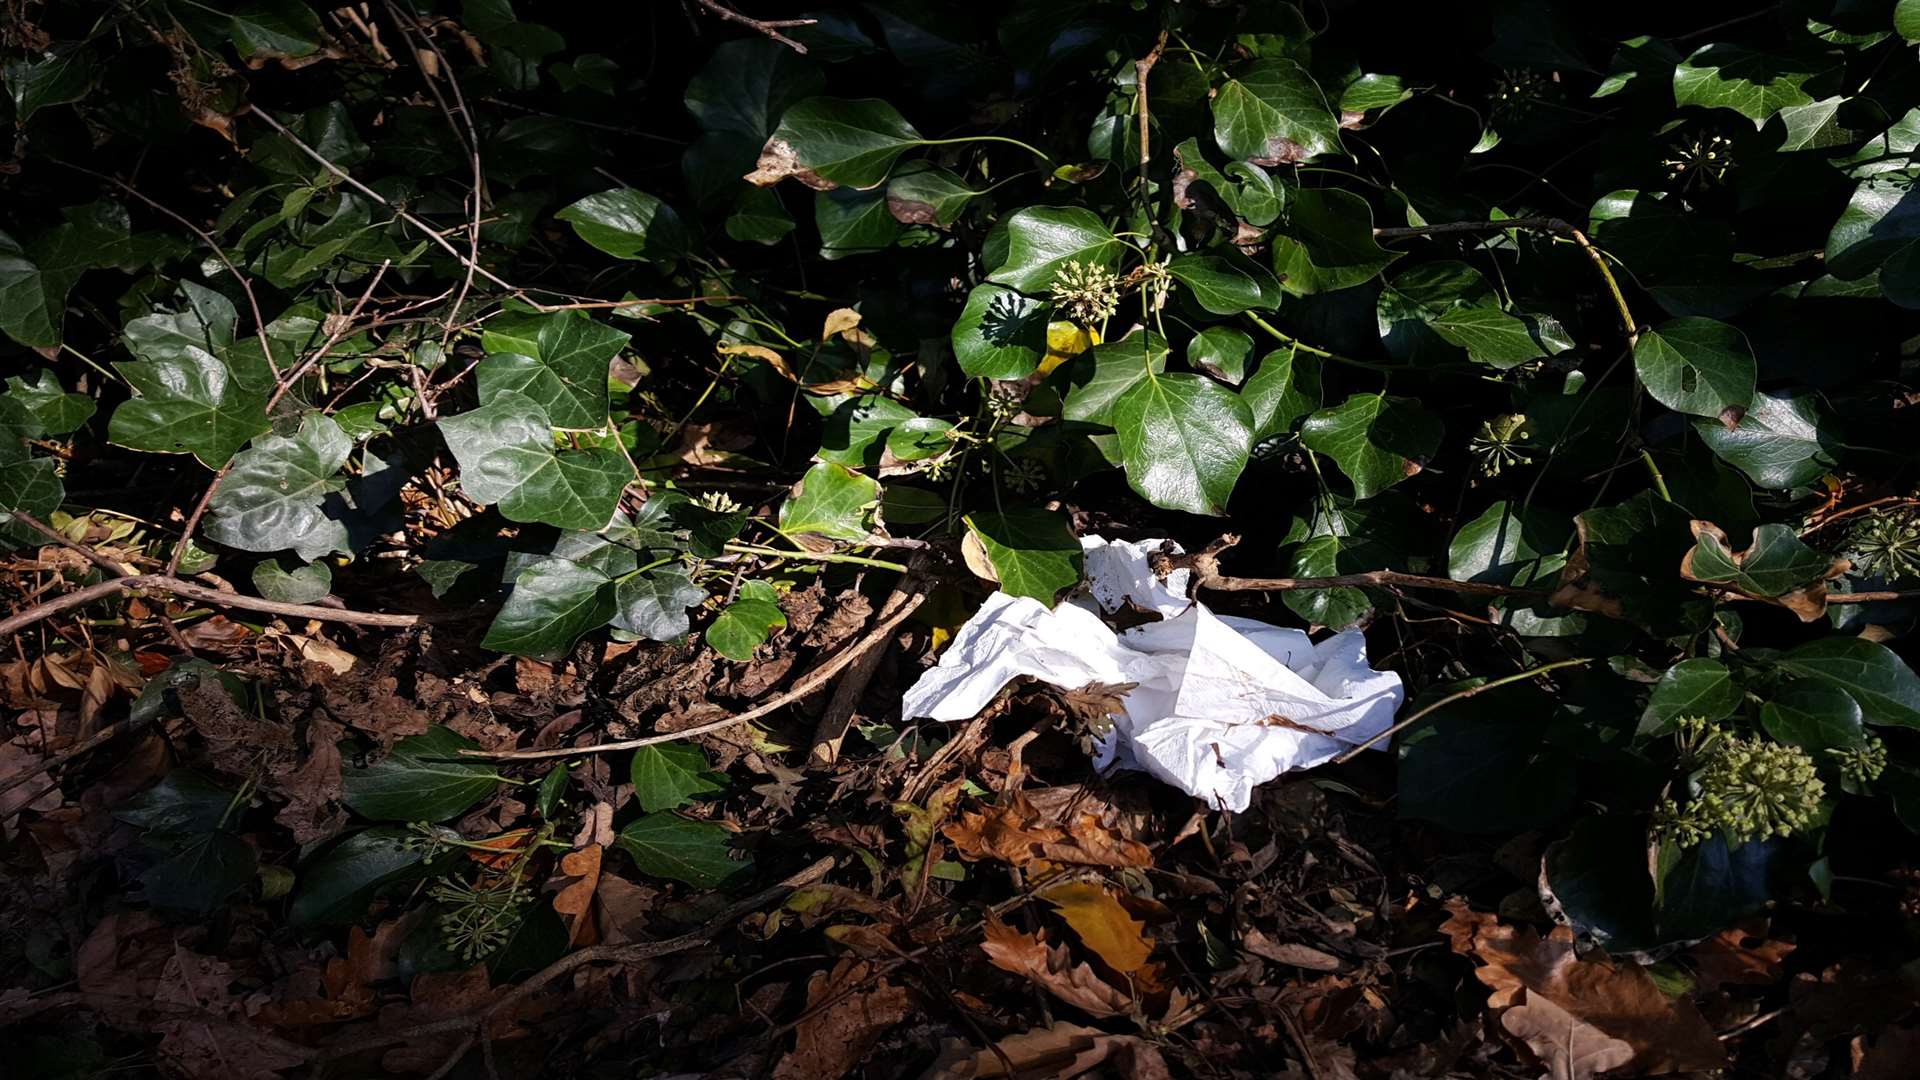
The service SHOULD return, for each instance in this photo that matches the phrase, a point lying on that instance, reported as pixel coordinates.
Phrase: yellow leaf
(1066, 340)
(1103, 925)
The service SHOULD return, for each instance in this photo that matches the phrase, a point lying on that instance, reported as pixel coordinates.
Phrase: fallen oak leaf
(1053, 970)
(1015, 833)
(1059, 1052)
(1571, 1048)
(845, 1018)
(1739, 956)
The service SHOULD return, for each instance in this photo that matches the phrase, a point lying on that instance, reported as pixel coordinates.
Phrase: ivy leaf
(1640, 63)
(1105, 373)
(1247, 190)
(1698, 687)
(667, 775)
(60, 75)
(1042, 239)
(33, 487)
(1869, 672)
(301, 583)
(1508, 544)
(745, 624)
(1001, 333)
(1485, 765)
(274, 497)
(1775, 564)
(856, 430)
(826, 141)
(1622, 566)
(1273, 113)
(560, 360)
(1222, 351)
(747, 85)
(1906, 19)
(759, 218)
(553, 602)
(198, 391)
(1697, 366)
(1373, 91)
(1033, 552)
(929, 196)
(654, 605)
(265, 30)
(1184, 441)
(1377, 441)
(201, 875)
(1752, 84)
(1329, 244)
(507, 457)
(1816, 717)
(423, 778)
(1882, 219)
(1285, 388)
(1501, 339)
(58, 411)
(853, 222)
(628, 224)
(1780, 443)
(666, 845)
(1328, 555)
(336, 885)
(1217, 285)
(832, 502)
(1413, 298)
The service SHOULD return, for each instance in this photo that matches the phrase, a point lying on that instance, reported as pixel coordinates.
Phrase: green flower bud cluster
(1088, 292)
(1861, 764)
(1749, 789)
(1498, 443)
(479, 918)
(1887, 545)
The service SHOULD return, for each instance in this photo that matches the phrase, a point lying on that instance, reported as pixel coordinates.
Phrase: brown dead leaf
(831, 1041)
(1016, 833)
(499, 852)
(1103, 925)
(1620, 1000)
(1052, 968)
(1290, 953)
(313, 789)
(839, 321)
(1741, 956)
(576, 897)
(1571, 1048)
(1060, 1052)
(41, 793)
(778, 161)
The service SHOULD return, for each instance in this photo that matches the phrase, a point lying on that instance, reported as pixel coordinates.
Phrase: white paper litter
(1222, 704)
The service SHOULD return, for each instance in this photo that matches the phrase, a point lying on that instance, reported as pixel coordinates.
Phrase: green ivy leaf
(198, 390)
(920, 438)
(423, 778)
(1042, 239)
(833, 502)
(1413, 298)
(929, 196)
(1781, 442)
(1508, 545)
(1752, 84)
(274, 497)
(1906, 19)
(654, 605)
(1328, 555)
(1222, 351)
(1869, 672)
(628, 224)
(1625, 564)
(1105, 373)
(507, 457)
(666, 845)
(1329, 244)
(853, 222)
(337, 884)
(553, 602)
(1377, 441)
(1248, 190)
(1816, 717)
(854, 143)
(1184, 441)
(1501, 339)
(1217, 285)
(1273, 113)
(58, 76)
(200, 876)
(666, 776)
(1370, 92)
(559, 360)
(1485, 764)
(297, 583)
(1641, 64)
(745, 624)
(1696, 366)
(759, 218)
(1776, 563)
(33, 487)
(1001, 334)
(1033, 552)
(856, 430)
(1285, 388)
(58, 411)
(275, 29)
(1882, 219)
(1698, 687)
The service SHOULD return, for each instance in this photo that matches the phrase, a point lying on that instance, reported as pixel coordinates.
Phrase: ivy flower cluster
(1497, 444)
(1749, 789)
(1887, 546)
(1088, 292)
(1861, 764)
(1701, 161)
(479, 918)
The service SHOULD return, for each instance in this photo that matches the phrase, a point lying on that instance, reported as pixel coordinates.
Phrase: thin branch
(193, 519)
(832, 728)
(1530, 673)
(344, 328)
(111, 568)
(1555, 225)
(805, 685)
(1141, 68)
(1206, 575)
(769, 27)
(187, 590)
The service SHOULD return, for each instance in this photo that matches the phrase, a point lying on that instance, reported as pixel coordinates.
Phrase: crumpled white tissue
(1220, 704)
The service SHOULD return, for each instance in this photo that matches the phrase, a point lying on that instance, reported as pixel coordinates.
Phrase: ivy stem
(1530, 673)
(987, 138)
(1659, 481)
(1288, 339)
(815, 556)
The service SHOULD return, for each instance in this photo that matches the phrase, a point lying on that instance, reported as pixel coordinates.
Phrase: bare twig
(769, 27)
(342, 329)
(1141, 68)
(805, 685)
(193, 519)
(1530, 673)
(832, 728)
(187, 590)
(1206, 575)
(112, 569)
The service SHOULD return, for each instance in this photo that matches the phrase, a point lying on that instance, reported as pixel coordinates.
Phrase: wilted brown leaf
(1053, 969)
(576, 897)
(1620, 1000)
(1060, 1052)
(1016, 833)
(852, 1013)
(1571, 1048)
(1741, 956)
(1807, 601)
